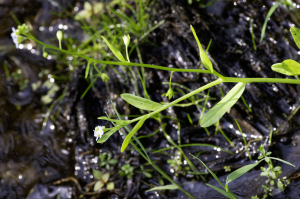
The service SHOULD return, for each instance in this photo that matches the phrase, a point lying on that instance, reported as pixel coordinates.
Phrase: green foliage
(140, 102)
(114, 50)
(107, 161)
(214, 114)
(296, 35)
(263, 30)
(102, 179)
(126, 170)
(165, 187)
(287, 67)
(204, 58)
(133, 131)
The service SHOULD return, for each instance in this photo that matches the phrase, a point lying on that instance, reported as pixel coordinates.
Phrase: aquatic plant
(287, 67)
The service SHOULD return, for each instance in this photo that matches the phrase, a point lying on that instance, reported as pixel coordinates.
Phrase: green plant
(126, 170)
(241, 171)
(102, 179)
(272, 173)
(287, 67)
(106, 160)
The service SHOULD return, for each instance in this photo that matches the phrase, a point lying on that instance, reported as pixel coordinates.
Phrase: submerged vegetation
(110, 52)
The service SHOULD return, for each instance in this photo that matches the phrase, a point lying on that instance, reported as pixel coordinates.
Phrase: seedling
(107, 161)
(126, 170)
(102, 179)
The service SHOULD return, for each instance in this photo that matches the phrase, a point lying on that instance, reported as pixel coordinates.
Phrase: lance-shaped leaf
(118, 122)
(114, 50)
(272, 9)
(214, 114)
(204, 58)
(108, 134)
(88, 67)
(133, 131)
(296, 35)
(287, 67)
(166, 187)
(140, 102)
(241, 171)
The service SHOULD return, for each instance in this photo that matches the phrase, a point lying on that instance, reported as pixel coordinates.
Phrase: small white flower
(14, 36)
(98, 132)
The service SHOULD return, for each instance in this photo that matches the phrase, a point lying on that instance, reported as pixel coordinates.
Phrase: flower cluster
(16, 34)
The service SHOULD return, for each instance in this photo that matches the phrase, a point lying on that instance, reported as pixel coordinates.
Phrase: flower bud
(126, 39)
(59, 35)
(104, 77)
(45, 54)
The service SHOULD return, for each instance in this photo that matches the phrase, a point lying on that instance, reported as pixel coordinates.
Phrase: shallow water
(44, 158)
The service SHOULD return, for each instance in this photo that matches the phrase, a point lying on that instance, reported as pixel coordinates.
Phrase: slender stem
(120, 63)
(218, 81)
(260, 80)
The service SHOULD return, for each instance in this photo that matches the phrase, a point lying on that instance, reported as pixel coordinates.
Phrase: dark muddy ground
(36, 155)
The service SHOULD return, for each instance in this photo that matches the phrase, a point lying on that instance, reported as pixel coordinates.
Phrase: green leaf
(287, 67)
(212, 173)
(296, 35)
(88, 67)
(105, 177)
(118, 122)
(98, 185)
(110, 186)
(282, 161)
(133, 131)
(263, 30)
(204, 58)
(241, 171)
(166, 187)
(108, 134)
(147, 174)
(140, 102)
(97, 174)
(113, 161)
(228, 195)
(216, 112)
(115, 51)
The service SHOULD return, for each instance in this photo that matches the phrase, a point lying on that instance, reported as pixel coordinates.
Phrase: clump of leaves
(126, 170)
(106, 160)
(272, 173)
(102, 179)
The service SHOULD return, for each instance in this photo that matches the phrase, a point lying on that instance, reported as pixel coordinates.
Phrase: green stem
(121, 63)
(260, 80)
(218, 81)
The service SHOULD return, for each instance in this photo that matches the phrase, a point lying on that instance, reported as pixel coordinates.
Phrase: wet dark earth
(47, 145)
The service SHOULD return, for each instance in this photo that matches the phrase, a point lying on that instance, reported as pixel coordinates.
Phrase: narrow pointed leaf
(133, 131)
(140, 102)
(216, 112)
(114, 50)
(212, 173)
(296, 35)
(272, 9)
(241, 171)
(287, 67)
(118, 122)
(282, 161)
(88, 68)
(228, 195)
(204, 58)
(108, 134)
(166, 187)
